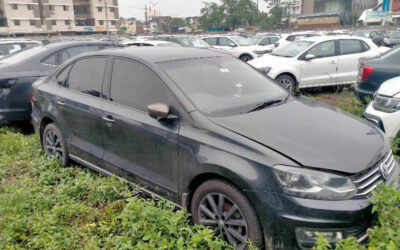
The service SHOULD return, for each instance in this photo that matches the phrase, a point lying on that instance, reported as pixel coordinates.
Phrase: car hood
(390, 87)
(312, 134)
(270, 61)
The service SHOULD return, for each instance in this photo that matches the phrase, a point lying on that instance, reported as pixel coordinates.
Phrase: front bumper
(387, 122)
(282, 216)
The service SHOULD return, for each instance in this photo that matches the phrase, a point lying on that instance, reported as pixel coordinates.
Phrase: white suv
(384, 111)
(317, 61)
(237, 46)
(9, 46)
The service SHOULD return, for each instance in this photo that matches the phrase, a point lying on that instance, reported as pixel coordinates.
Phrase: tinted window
(324, 49)
(212, 41)
(81, 49)
(350, 47)
(64, 56)
(274, 39)
(86, 76)
(136, 86)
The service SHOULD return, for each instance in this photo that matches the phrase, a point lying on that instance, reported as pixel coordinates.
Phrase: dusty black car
(374, 71)
(217, 137)
(20, 70)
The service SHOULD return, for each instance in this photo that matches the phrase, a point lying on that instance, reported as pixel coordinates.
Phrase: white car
(317, 61)
(9, 46)
(237, 46)
(266, 41)
(149, 43)
(384, 110)
(289, 38)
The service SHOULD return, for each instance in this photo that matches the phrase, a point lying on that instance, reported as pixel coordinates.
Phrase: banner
(396, 7)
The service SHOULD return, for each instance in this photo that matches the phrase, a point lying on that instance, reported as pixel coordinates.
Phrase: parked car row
(210, 133)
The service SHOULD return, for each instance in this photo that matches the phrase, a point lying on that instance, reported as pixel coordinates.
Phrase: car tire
(246, 58)
(287, 82)
(54, 144)
(224, 201)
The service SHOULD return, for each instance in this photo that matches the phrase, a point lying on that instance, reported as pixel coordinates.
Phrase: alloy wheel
(53, 145)
(286, 83)
(225, 217)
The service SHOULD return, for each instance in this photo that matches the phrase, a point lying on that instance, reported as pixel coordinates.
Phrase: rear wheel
(221, 206)
(246, 58)
(287, 82)
(54, 144)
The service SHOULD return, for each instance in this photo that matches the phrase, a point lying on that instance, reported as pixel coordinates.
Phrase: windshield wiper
(266, 104)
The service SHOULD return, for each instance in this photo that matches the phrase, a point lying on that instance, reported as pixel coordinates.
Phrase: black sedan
(375, 71)
(217, 137)
(20, 70)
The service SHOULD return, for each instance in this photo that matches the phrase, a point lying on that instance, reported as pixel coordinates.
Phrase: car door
(79, 105)
(137, 145)
(350, 51)
(322, 69)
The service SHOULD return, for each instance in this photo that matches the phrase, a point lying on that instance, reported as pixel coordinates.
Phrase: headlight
(314, 184)
(386, 104)
(265, 70)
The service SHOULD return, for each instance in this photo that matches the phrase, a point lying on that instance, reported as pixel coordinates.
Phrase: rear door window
(350, 47)
(86, 76)
(265, 41)
(136, 86)
(211, 41)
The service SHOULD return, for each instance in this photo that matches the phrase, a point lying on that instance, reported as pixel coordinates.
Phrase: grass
(45, 206)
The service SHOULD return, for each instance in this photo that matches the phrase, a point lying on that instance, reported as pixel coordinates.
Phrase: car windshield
(222, 86)
(241, 41)
(395, 35)
(21, 55)
(362, 34)
(193, 42)
(293, 49)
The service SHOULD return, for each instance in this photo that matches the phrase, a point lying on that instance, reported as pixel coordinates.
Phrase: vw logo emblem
(384, 172)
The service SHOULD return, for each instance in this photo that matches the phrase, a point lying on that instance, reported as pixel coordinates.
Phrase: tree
(212, 15)
(175, 24)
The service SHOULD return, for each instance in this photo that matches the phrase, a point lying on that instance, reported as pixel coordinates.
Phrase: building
(159, 24)
(355, 7)
(21, 17)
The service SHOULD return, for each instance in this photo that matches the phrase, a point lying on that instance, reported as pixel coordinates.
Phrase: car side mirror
(161, 112)
(309, 57)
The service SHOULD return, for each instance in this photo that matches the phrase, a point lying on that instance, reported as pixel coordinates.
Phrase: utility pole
(154, 7)
(108, 31)
(145, 16)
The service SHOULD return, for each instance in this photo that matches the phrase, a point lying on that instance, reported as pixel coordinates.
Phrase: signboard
(378, 14)
(88, 29)
(99, 28)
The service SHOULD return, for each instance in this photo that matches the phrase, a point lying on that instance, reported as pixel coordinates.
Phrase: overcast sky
(176, 8)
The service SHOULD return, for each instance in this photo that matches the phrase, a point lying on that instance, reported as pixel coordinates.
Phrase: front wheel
(54, 144)
(287, 82)
(222, 207)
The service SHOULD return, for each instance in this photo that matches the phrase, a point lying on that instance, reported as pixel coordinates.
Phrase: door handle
(108, 119)
(61, 103)
(333, 62)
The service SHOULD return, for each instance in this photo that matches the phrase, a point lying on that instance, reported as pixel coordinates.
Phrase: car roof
(327, 38)
(72, 43)
(159, 54)
(153, 42)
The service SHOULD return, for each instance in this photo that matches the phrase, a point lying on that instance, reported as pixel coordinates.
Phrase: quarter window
(51, 59)
(62, 77)
(324, 49)
(86, 76)
(224, 41)
(136, 86)
(350, 47)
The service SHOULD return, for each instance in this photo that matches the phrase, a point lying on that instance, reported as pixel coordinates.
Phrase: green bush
(385, 232)
(43, 205)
